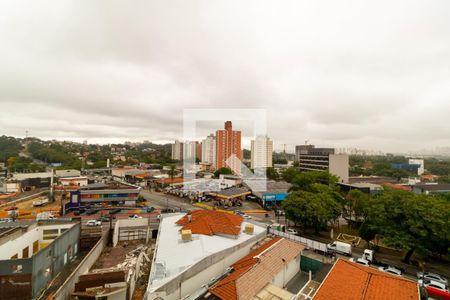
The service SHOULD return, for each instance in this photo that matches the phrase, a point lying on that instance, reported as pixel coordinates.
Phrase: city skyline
(381, 85)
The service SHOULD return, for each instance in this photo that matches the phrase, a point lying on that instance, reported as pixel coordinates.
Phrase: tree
(172, 172)
(367, 232)
(272, 174)
(357, 204)
(409, 221)
(312, 210)
(289, 174)
(309, 181)
(223, 170)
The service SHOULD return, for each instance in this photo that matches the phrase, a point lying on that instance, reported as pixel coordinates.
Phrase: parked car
(391, 270)
(360, 261)
(432, 276)
(92, 223)
(246, 217)
(104, 219)
(5, 220)
(239, 213)
(433, 284)
(135, 217)
(340, 247)
(292, 231)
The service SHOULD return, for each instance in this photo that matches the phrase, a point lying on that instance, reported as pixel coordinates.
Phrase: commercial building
(274, 263)
(112, 194)
(367, 188)
(311, 158)
(31, 255)
(348, 280)
(261, 152)
(420, 162)
(431, 188)
(193, 251)
(177, 150)
(228, 143)
(273, 193)
(209, 150)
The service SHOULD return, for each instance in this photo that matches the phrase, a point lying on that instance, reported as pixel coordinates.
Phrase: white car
(94, 223)
(246, 217)
(434, 284)
(360, 261)
(292, 231)
(135, 217)
(391, 270)
(432, 276)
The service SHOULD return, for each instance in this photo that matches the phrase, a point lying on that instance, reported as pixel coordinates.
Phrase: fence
(68, 286)
(310, 244)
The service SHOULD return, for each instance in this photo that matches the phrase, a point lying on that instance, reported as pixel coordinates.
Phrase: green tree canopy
(311, 210)
(223, 170)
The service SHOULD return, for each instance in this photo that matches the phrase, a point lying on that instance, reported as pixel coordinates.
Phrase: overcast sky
(336, 73)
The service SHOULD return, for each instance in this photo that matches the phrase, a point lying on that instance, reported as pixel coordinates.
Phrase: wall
(129, 224)
(15, 246)
(290, 270)
(48, 262)
(8, 281)
(338, 165)
(68, 286)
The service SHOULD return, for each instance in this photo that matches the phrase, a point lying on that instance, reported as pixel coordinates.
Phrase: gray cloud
(369, 75)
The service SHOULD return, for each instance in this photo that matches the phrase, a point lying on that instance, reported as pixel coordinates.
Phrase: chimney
(249, 228)
(228, 125)
(186, 235)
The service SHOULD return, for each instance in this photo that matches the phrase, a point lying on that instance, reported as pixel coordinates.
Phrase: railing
(310, 244)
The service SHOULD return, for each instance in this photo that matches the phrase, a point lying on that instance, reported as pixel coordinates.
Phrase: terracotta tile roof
(211, 223)
(397, 186)
(170, 180)
(254, 271)
(348, 280)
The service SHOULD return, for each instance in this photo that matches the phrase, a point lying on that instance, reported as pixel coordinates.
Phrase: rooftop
(253, 272)
(211, 223)
(232, 192)
(114, 185)
(348, 280)
(434, 187)
(173, 256)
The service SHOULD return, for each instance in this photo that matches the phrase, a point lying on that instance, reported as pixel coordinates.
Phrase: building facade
(261, 152)
(177, 150)
(311, 158)
(228, 143)
(420, 162)
(209, 150)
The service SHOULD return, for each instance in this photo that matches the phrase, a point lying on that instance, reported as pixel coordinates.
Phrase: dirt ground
(111, 257)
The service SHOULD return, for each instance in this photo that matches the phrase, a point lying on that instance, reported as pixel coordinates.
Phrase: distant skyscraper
(228, 142)
(209, 150)
(177, 150)
(261, 152)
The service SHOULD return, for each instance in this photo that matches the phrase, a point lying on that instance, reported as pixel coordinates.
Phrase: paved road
(167, 201)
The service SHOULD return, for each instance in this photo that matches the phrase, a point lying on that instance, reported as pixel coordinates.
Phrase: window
(35, 246)
(15, 256)
(16, 268)
(25, 252)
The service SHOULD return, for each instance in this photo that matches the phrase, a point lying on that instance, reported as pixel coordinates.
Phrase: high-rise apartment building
(177, 150)
(209, 150)
(228, 142)
(261, 152)
(190, 150)
(311, 158)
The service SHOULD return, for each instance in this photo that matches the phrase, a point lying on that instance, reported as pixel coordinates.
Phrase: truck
(340, 247)
(40, 202)
(45, 216)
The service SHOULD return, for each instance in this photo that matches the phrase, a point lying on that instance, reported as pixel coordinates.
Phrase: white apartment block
(261, 152)
(177, 150)
(209, 150)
